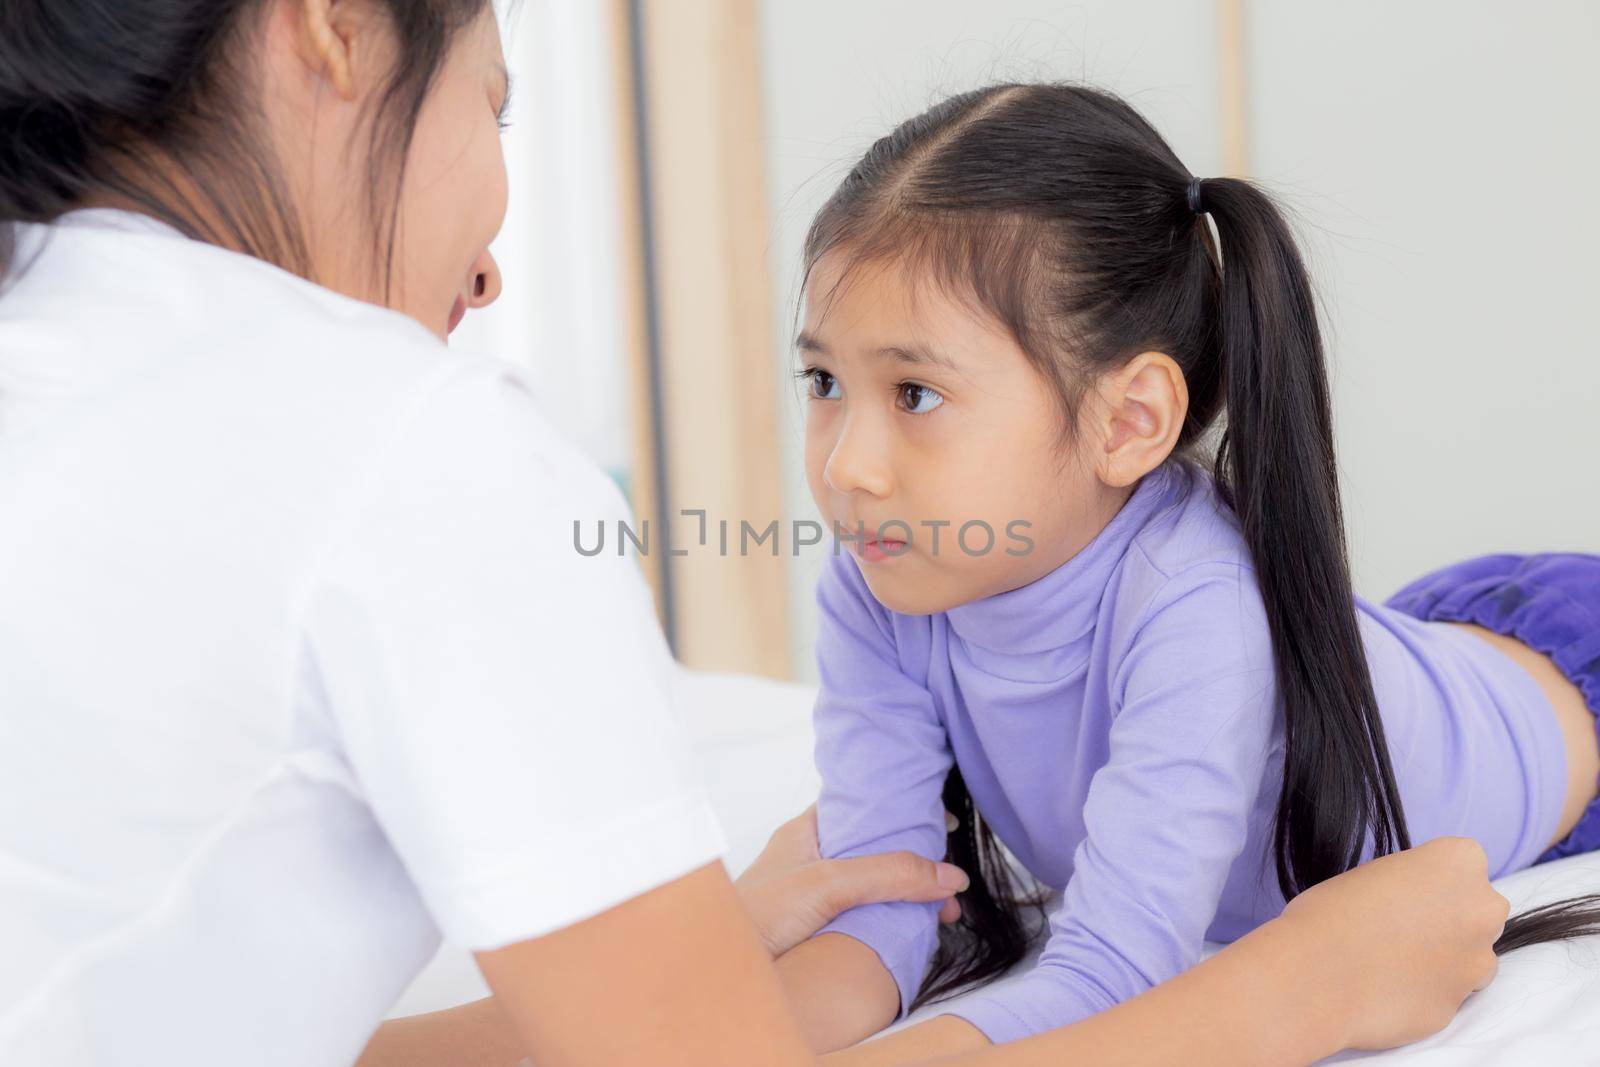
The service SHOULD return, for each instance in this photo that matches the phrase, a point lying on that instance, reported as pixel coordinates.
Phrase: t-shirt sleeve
(503, 700)
(882, 754)
(1165, 817)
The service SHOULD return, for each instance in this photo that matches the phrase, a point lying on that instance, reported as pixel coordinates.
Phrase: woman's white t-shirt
(299, 665)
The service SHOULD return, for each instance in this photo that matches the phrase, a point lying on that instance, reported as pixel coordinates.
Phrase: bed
(753, 739)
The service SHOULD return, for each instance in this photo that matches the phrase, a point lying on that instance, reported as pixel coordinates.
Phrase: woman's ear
(1140, 417)
(326, 40)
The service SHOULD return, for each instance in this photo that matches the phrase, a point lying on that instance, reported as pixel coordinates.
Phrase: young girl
(1152, 681)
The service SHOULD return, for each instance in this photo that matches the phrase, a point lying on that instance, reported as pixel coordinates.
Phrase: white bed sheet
(754, 738)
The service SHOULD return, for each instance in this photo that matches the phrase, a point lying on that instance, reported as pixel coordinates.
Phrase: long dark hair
(1066, 216)
(154, 101)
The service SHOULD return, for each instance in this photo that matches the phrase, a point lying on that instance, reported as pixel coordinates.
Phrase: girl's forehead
(886, 304)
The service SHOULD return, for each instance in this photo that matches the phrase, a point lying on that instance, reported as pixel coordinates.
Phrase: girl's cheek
(822, 418)
(818, 447)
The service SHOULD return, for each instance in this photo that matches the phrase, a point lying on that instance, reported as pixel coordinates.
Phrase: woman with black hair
(298, 668)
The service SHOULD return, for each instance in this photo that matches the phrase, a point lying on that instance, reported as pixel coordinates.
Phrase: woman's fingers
(1408, 938)
(792, 845)
(1488, 968)
(850, 883)
(791, 893)
(792, 905)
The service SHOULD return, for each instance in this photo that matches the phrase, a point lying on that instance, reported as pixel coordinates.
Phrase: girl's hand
(1405, 938)
(791, 892)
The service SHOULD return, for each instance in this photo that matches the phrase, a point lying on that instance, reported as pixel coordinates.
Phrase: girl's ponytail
(1275, 468)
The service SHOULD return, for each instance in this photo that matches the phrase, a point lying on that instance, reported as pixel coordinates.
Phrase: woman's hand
(791, 892)
(1406, 938)
(1376, 957)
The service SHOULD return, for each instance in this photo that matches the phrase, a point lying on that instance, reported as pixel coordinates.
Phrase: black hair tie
(1197, 201)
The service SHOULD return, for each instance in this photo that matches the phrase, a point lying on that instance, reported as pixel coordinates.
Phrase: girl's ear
(1140, 417)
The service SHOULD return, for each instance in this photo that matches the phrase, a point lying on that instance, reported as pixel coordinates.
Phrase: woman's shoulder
(289, 383)
(340, 371)
(141, 293)
(304, 326)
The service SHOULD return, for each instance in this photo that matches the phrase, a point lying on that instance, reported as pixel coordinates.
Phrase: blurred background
(1440, 158)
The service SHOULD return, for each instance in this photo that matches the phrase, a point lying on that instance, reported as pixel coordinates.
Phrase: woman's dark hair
(1060, 212)
(156, 102)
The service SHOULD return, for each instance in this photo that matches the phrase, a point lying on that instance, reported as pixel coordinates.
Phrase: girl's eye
(918, 399)
(823, 386)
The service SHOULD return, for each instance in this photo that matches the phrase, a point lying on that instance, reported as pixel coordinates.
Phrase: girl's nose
(859, 461)
(485, 284)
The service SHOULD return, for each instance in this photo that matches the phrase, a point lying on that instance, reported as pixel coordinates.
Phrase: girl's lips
(457, 313)
(876, 551)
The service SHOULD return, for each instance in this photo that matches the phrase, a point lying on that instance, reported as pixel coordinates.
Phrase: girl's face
(927, 424)
(331, 63)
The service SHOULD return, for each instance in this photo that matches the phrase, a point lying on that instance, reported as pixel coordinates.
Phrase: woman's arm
(674, 977)
(789, 892)
(1259, 1003)
(471, 1035)
(1376, 957)
(840, 991)
(677, 977)
(1351, 963)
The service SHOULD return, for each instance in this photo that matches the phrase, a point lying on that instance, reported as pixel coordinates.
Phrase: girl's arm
(883, 757)
(1167, 815)
(1166, 819)
(677, 977)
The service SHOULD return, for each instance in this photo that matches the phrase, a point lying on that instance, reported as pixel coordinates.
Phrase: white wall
(1441, 156)
(560, 317)
(1446, 160)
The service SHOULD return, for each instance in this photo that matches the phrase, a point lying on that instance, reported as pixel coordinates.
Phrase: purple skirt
(1549, 602)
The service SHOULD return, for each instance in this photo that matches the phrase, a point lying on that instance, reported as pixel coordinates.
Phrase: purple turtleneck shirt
(1117, 725)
